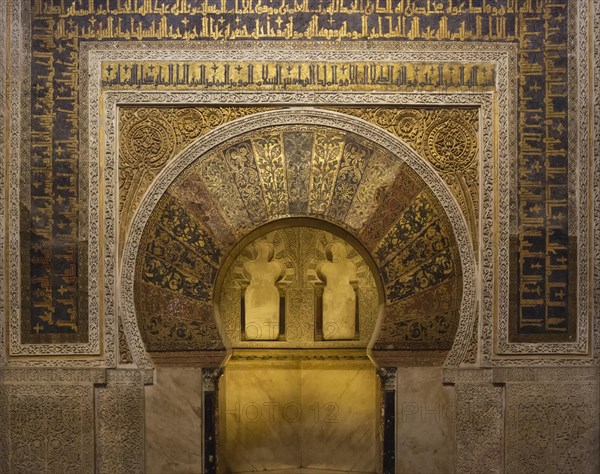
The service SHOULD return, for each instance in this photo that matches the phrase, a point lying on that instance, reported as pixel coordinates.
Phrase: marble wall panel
(340, 416)
(173, 422)
(425, 422)
(292, 414)
(260, 413)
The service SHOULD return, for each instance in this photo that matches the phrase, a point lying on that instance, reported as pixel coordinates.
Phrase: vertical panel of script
(542, 309)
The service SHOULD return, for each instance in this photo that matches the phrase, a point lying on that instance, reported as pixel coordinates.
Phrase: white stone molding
(3, 158)
(595, 127)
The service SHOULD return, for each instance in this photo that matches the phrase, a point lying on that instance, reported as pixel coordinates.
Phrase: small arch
(299, 222)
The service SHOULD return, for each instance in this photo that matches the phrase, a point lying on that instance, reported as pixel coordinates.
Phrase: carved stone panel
(552, 428)
(120, 423)
(46, 428)
(479, 428)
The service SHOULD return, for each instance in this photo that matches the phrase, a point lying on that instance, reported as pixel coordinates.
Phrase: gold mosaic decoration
(446, 138)
(551, 44)
(297, 171)
(149, 137)
(297, 75)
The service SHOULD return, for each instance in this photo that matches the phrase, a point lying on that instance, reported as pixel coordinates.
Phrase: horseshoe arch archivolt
(347, 147)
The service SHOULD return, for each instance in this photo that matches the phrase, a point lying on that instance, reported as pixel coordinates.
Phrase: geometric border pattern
(4, 129)
(579, 207)
(595, 132)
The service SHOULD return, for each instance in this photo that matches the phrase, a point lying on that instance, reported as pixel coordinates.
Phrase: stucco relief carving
(533, 419)
(472, 354)
(479, 428)
(488, 343)
(119, 415)
(124, 352)
(3, 154)
(552, 427)
(596, 181)
(49, 427)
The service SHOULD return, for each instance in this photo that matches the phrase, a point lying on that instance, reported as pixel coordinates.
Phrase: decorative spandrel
(315, 290)
(150, 137)
(446, 138)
